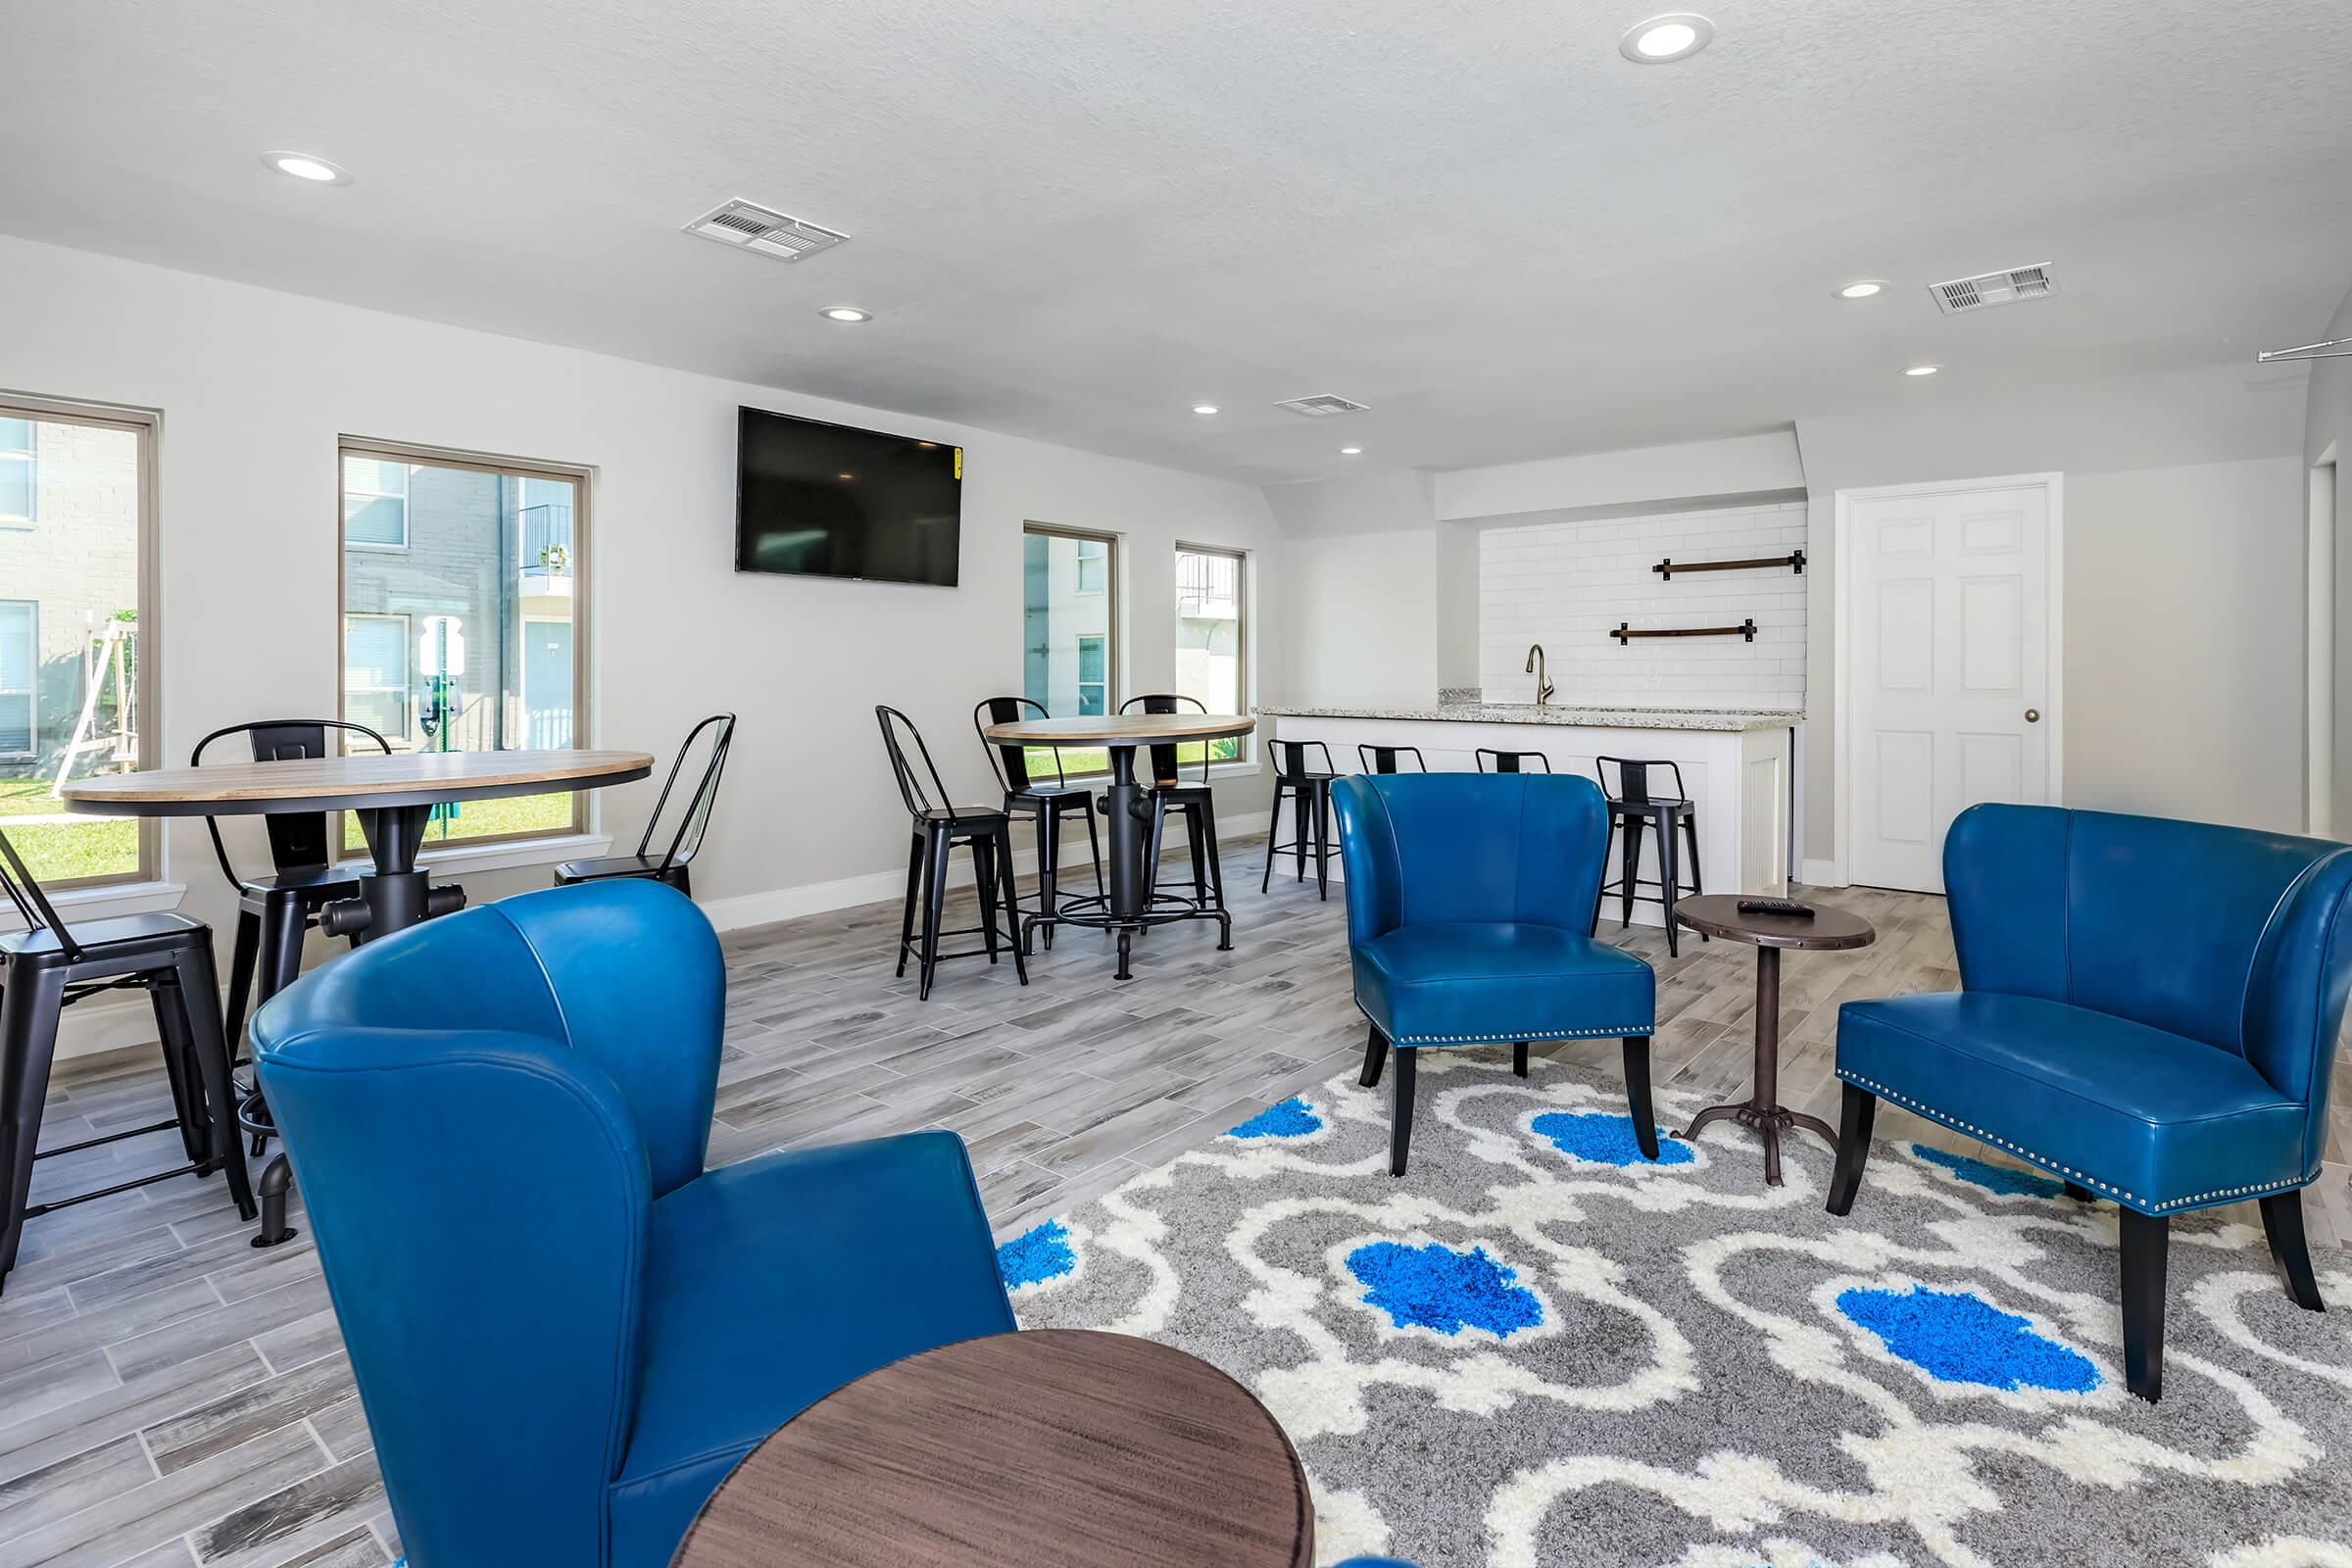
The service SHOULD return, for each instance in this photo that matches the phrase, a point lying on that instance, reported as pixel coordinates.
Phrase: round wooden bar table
(1126, 907)
(1045, 1449)
(1828, 930)
(394, 797)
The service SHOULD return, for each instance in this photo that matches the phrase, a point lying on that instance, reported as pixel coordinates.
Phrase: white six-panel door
(1947, 667)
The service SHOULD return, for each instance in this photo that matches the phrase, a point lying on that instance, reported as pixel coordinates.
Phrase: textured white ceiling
(1077, 218)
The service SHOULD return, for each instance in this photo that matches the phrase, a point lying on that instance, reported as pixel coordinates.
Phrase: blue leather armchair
(565, 1332)
(1470, 906)
(2149, 1011)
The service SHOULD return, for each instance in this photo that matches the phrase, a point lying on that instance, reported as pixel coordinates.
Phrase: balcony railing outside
(1209, 587)
(547, 540)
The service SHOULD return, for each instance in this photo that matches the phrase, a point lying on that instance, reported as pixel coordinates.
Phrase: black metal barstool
(1494, 762)
(1674, 816)
(44, 970)
(1170, 793)
(938, 828)
(1388, 758)
(670, 867)
(1309, 793)
(1048, 803)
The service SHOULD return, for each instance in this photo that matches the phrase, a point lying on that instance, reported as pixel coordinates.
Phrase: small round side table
(1829, 930)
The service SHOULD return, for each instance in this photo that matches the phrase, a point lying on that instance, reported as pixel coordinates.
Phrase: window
(1069, 632)
(375, 674)
(19, 639)
(74, 689)
(18, 485)
(1210, 622)
(461, 606)
(375, 503)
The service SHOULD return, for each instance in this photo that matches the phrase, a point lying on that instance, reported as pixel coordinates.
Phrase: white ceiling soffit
(1075, 222)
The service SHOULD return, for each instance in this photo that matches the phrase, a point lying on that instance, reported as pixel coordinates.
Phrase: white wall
(1566, 584)
(2328, 432)
(1362, 620)
(256, 386)
(1741, 466)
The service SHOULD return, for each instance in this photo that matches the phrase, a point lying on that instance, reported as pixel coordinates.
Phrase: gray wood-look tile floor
(168, 1395)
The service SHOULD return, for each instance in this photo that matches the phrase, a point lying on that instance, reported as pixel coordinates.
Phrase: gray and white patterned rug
(1536, 1348)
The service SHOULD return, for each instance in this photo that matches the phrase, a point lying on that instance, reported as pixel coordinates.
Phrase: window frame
(33, 692)
(1243, 683)
(405, 735)
(579, 476)
(30, 458)
(146, 428)
(1114, 633)
(344, 492)
(1101, 556)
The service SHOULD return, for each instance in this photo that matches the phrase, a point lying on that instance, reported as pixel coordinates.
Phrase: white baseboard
(1821, 874)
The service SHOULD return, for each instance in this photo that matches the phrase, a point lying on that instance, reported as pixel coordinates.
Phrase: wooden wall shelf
(1794, 560)
(1745, 631)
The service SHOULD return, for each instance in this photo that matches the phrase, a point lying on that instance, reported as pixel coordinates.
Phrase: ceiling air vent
(749, 226)
(1323, 407)
(1994, 288)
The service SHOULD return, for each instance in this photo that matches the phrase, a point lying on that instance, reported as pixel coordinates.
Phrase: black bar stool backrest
(1633, 779)
(1010, 759)
(687, 842)
(1512, 761)
(919, 801)
(1165, 769)
(298, 840)
(1290, 758)
(1384, 759)
(31, 904)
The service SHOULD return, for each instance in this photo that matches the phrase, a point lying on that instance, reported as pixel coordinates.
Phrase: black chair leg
(2145, 1241)
(1376, 1057)
(1601, 894)
(914, 890)
(1858, 1111)
(1302, 807)
(1273, 838)
(180, 1068)
(30, 1007)
(1400, 1115)
(242, 959)
(1011, 900)
(1691, 845)
(2282, 1223)
(984, 884)
(1208, 850)
(1192, 832)
(1152, 846)
(2079, 1193)
(1668, 872)
(1519, 1059)
(197, 997)
(1322, 841)
(1630, 854)
(1636, 1094)
(935, 897)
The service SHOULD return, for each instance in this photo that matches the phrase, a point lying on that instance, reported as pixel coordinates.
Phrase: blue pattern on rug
(1603, 1139)
(2002, 1179)
(1434, 1287)
(1293, 1118)
(1957, 1336)
(1040, 1253)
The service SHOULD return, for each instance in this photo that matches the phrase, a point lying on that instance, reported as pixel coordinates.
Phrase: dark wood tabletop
(1828, 930)
(1047, 1449)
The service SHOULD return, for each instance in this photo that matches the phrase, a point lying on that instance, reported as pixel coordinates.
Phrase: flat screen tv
(818, 500)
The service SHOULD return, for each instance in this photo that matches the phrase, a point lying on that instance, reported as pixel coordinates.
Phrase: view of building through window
(1209, 636)
(460, 588)
(71, 531)
(1069, 614)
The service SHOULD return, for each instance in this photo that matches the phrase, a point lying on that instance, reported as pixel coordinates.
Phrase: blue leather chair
(565, 1332)
(1470, 906)
(2149, 1012)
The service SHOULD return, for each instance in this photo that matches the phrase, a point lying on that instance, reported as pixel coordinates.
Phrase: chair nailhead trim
(1547, 1032)
(2152, 1205)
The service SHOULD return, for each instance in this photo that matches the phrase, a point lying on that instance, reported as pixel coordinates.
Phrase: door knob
(2032, 716)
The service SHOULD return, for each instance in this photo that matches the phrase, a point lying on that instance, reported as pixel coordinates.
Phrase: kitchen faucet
(1535, 668)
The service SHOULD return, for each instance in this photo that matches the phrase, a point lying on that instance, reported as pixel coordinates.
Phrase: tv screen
(817, 500)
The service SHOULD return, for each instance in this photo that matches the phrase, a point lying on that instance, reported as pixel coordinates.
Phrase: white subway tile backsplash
(1567, 584)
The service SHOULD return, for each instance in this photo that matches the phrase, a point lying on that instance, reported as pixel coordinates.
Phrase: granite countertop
(1557, 714)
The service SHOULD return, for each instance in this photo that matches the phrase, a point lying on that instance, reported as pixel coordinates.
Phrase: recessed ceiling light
(1205, 408)
(1351, 452)
(1863, 288)
(1662, 41)
(846, 313)
(1921, 370)
(845, 476)
(301, 166)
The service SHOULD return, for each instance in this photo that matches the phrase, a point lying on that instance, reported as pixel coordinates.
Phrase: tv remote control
(1786, 907)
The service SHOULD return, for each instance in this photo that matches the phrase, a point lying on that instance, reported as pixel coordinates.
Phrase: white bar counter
(1736, 767)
